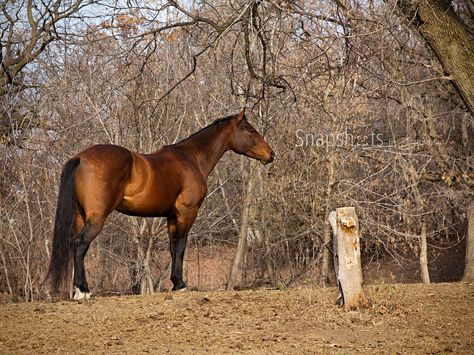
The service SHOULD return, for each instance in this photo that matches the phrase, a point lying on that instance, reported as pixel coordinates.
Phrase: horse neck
(208, 146)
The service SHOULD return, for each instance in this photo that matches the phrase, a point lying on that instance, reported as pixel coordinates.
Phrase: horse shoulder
(193, 183)
(141, 172)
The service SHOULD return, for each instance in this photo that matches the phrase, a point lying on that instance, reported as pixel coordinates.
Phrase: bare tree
(449, 37)
(469, 268)
(27, 28)
(353, 102)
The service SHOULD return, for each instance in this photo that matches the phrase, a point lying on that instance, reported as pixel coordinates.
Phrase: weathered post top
(347, 261)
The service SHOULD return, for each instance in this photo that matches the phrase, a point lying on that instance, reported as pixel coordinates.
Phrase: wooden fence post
(347, 264)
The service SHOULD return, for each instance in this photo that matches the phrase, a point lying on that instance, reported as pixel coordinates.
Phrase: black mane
(216, 122)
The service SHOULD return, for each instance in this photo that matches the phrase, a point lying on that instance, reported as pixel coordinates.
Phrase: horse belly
(153, 187)
(155, 202)
(140, 210)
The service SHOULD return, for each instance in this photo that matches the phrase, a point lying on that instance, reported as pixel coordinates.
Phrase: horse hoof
(79, 295)
(182, 289)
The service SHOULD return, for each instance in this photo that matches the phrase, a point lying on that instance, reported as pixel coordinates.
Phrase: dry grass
(403, 318)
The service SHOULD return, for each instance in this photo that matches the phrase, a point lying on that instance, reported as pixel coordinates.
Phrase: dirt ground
(410, 318)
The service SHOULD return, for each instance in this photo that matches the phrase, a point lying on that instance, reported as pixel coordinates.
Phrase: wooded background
(366, 103)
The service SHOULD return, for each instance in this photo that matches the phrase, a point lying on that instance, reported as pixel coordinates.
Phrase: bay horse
(171, 183)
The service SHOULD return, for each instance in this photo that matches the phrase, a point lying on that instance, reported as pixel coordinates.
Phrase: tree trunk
(425, 275)
(238, 263)
(469, 268)
(449, 39)
(146, 281)
(327, 228)
(5, 272)
(165, 275)
(142, 274)
(345, 225)
(262, 237)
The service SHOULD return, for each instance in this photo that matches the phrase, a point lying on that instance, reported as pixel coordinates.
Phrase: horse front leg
(178, 229)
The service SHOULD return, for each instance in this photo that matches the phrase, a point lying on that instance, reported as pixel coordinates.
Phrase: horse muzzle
(268, 160)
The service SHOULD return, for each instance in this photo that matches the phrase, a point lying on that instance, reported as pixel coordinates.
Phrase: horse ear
(241, 116)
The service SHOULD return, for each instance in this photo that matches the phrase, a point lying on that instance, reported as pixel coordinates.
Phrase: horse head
(245, 140)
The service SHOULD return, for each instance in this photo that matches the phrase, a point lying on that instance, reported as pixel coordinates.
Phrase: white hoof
(79, 295)
(182, 289)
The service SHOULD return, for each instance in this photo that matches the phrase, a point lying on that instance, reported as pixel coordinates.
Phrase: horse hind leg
(92, 227)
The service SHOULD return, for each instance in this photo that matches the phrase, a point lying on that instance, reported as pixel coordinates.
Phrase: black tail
(63, 236)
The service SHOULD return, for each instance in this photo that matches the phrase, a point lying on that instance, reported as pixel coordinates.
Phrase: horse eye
(251, 130)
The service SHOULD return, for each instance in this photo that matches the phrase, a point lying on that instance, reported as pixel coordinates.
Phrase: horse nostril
(272, 156)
